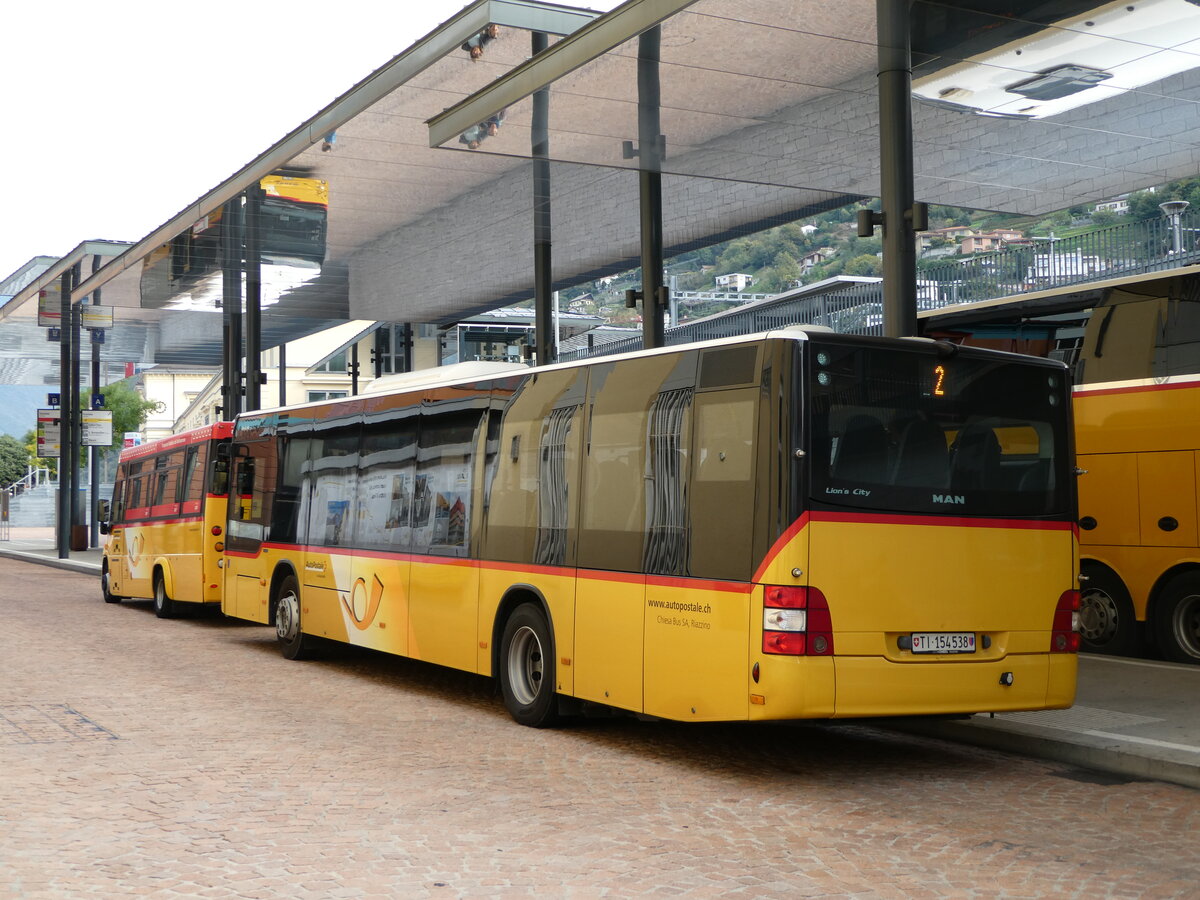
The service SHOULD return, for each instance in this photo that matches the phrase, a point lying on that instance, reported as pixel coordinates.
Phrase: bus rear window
(964, 435)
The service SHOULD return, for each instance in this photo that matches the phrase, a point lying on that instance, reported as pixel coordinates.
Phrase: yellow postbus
(791, 525)
(1134, 346)
(166, 521)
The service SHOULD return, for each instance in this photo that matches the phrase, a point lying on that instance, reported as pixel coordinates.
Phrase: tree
(14, 459)
(865, 264)
(129, 408)
(29, 442)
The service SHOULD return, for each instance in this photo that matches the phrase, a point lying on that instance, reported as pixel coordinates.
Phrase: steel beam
(544, 336)
(650, 185)
(896, 167)
(252, 261)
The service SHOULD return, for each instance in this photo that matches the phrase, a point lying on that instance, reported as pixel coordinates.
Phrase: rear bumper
(872, 686)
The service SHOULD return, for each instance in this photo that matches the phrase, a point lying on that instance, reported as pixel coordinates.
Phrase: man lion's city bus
(1134, 346)
(166, 521)
(791, 525)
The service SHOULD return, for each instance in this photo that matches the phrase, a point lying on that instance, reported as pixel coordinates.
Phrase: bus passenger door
(444, 596)
(246, 579)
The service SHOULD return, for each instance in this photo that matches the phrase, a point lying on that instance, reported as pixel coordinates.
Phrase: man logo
(957, 499)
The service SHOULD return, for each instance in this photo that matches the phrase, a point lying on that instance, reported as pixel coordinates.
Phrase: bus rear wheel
(527, 667)
(293, 642)
(1177, 619)
(1106, 620)
(164, 606)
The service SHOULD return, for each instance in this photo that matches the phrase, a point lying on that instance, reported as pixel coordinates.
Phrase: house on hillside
(736, 281)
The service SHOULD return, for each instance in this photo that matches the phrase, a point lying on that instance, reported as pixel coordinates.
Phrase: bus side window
(285, 510)
(166, 479)
(722, 483)
(245, 488)
(218, 482)
(136, 483)
(190, 484)
(119, 490)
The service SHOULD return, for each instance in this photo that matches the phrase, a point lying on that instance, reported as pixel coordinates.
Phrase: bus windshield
(951, 434)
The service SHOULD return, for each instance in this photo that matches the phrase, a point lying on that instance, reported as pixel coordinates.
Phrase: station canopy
(410, 199)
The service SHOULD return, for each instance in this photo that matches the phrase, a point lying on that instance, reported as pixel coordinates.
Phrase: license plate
(943, 642)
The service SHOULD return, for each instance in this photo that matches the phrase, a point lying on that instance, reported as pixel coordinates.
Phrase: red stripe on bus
(944, 521)
(784, 539)
(179, 520)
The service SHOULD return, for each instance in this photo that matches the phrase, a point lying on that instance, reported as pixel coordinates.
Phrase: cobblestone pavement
(187, 759)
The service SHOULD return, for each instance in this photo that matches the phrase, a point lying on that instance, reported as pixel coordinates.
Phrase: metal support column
(253, 264)
(896, 167)
(76, 438)
(63, 531)
(650, 187)
(283, 374)
(231, 308)
(545, 337)
(94, 452)
(354, 369)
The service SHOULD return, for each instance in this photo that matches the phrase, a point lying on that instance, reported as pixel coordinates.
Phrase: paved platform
(1133, 718)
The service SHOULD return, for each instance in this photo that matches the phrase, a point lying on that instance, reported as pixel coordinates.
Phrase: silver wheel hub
(287, 617)
(1098, 617)
(525, 665)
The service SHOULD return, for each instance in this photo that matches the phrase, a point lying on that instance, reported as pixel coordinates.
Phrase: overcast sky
(119, 115)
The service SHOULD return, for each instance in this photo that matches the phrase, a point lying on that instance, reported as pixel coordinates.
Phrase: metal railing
(32, 478)
(1132, 248)
(1126, 249)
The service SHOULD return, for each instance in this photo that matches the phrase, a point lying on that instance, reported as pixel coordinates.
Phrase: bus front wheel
(164, 606)
(106, 585)
(1106, 620)
(1177, 619)
(527, 667)
(293, 642)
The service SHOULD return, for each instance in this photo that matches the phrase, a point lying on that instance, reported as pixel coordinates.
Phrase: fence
(1127, 249)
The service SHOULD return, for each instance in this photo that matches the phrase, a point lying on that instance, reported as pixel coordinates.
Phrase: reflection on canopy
(783, 93)
(185, 273)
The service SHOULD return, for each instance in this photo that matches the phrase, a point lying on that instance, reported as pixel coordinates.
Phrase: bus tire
(293, 642)
(164, 606)
(1106, 620)
(527, 667)
(1177, 619)
(105, 580)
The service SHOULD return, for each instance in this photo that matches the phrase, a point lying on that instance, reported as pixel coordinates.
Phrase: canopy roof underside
(768, 113)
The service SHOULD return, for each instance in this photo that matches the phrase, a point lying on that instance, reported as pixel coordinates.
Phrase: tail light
(216, 530)
(796, 622)
(1064, 635)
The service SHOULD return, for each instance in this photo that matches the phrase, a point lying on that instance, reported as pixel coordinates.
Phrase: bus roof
(216, 431)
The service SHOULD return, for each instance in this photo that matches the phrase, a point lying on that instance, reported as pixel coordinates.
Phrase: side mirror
(102, 511)
(105, 528)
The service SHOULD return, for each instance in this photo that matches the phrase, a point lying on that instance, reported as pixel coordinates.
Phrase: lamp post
(1173, 210)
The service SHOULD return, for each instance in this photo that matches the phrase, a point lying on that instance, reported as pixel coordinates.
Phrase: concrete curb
(71, 565)
(1090, 753)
